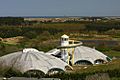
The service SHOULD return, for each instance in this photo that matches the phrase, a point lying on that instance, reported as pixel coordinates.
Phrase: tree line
(16, 26)
(12, 31)
(102, 27)
(11, 20)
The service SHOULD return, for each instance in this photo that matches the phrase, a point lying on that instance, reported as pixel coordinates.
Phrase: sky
(59, 7)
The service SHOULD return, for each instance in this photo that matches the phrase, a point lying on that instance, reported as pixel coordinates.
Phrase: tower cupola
(64, 40)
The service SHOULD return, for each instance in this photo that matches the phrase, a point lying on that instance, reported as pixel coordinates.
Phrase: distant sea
(61, 16)
(51, 16)
(67, 16)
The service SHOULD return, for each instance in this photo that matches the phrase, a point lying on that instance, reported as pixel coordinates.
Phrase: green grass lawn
(113, 53)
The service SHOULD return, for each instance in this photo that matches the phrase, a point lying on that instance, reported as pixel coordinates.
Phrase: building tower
(64, 40)
(64, 43)
(67, 49)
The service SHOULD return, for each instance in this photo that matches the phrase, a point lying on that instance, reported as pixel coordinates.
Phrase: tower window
(66, 39)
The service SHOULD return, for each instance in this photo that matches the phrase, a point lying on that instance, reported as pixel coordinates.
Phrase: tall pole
(73, 56)
(68, 56)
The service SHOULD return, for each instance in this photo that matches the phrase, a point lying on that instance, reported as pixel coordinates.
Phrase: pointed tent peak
(30, 50)
(64, 36)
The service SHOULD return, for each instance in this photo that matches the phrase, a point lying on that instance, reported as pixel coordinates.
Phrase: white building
(76, 54)
(31, 61)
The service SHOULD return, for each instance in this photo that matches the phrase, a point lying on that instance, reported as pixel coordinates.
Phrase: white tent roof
(84, 53)
(32, 59)
(89, 54)
(53, 52)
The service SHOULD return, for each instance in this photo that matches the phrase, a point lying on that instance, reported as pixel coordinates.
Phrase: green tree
(30, 34)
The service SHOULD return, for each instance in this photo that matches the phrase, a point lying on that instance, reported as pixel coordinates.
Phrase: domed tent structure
(32, 61)
(83, 55)
(76, 54)
(86, 55)
(54, 52)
